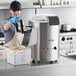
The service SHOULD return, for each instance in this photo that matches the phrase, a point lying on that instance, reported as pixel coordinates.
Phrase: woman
(8, 27)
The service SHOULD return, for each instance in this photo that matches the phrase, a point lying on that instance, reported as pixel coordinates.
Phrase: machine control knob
(70, 38)
(55, 48)
(2, 43)
(63, 39)
(67, 38)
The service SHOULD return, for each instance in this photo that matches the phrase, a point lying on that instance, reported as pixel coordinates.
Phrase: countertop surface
(63, 61)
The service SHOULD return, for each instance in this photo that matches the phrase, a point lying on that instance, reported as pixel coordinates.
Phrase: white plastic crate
(19, 57)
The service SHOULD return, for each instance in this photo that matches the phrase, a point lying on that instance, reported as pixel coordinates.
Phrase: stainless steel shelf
(58, 6)
(24, 6)
(63, 61)
(64, 67)
(31, 6)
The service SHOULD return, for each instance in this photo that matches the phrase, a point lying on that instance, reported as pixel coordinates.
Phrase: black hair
(15, 6)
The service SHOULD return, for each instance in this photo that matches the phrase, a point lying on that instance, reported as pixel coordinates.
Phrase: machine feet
(51, 62)
(33, 61)
(38, 62)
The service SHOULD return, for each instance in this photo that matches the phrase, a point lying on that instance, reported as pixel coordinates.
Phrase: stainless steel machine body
(46, 49)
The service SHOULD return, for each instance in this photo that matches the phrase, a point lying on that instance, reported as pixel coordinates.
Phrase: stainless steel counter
(64, 67)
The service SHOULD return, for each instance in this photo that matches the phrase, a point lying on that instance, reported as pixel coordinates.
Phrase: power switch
(55, 48)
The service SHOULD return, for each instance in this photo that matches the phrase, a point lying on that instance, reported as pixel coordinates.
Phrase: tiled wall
(4, 14)
(25, 15)
(66, 15)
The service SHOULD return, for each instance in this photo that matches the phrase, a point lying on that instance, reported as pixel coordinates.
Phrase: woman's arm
(7, 26)
(13, 20)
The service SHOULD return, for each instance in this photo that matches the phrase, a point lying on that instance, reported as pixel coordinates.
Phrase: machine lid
(53, 20)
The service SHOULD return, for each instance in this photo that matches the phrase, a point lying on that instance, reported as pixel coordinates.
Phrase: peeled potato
(18, 48)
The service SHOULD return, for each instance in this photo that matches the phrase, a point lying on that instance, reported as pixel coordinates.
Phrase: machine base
(52, 62)
(38, 62)
(33, 61)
